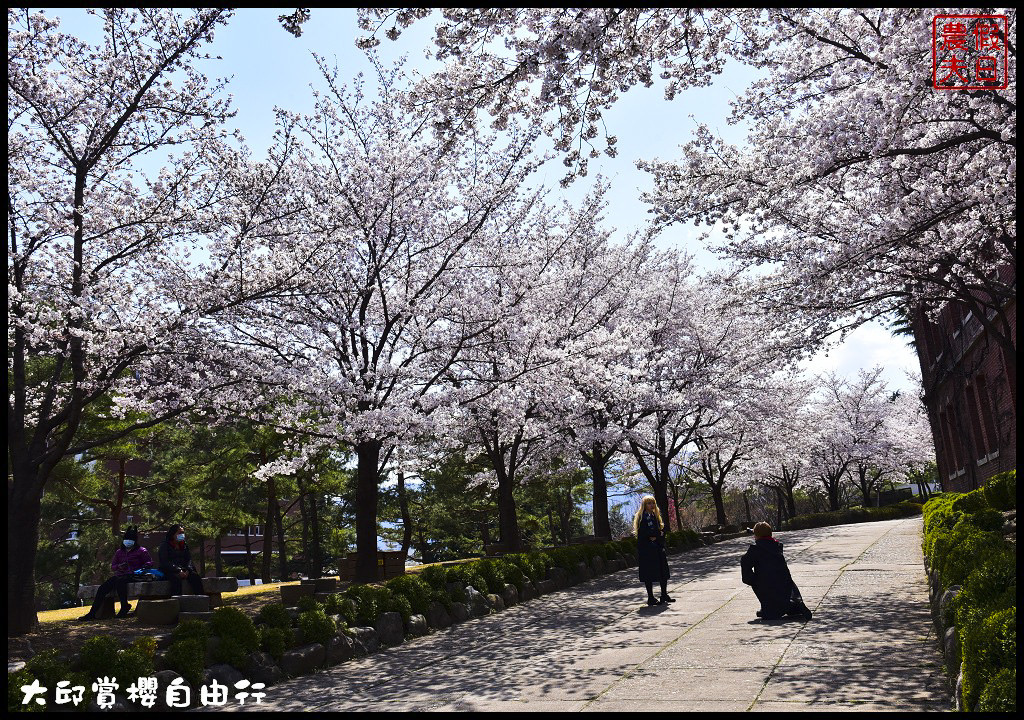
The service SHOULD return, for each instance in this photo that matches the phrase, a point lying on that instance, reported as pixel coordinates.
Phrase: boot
(666, 599)
(651, 600)
(125, 609)
(89, 616)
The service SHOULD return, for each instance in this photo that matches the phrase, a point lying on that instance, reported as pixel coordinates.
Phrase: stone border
(388, 631)
(948, 637)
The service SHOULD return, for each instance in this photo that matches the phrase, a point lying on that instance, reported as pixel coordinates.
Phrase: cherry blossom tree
(550, 282)
(565, 65)
(703, 355)
(392, 300)
(116, 267)
(782, 462)
(861, 189)
(601, 392)
(902, 443)
(850, 420)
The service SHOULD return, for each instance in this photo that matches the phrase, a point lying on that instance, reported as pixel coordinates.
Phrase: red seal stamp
(969, 52)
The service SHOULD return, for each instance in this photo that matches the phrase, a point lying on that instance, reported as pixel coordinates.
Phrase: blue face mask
(181, 538)
(129, 543)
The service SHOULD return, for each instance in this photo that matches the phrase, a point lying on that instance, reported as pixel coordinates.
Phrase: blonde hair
(640, 512)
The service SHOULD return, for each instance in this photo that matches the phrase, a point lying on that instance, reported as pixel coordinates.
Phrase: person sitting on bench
(129, 557)
(176, 562)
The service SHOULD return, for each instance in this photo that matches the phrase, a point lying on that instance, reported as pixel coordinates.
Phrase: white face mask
(129, 543)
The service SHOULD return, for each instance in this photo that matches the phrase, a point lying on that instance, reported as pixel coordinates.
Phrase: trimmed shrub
(186, 657)
(308, 602)
(398, 604)
(442, 597)
(50, 668)
(1000, 694)
(372, 600)
(535, 565)
(274, 615)
(98, 656)
(511, 572)
(989, 647)
(191, 630)
(15, 696)
(231, 651)
(970, 502)
(336, 605)
(413, 589)
(466, 574)
(990, 587)
(135, 661)
(853, 515)
(987, 519)
(491, 573)
(275, 640)
(234, 627)
(963, 543)
(1001, 491)
(966, 548)
(435, 576)
(317, 627)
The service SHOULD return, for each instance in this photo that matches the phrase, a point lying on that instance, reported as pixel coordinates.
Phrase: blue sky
(268, 67)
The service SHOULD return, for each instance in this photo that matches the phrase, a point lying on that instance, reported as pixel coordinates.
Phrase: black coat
(651, 560)
(173, 559)
(764, 569)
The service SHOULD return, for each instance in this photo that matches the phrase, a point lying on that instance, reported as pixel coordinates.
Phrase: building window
(972, 412)
(987, 415)
(951, 437)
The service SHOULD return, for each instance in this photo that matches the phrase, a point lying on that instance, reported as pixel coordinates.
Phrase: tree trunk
(23, 514)
(248, 558)
(508, 522)
(268, 533)
(718, 496)
(746, 505)
(115, 513)
(281, 556)
(596, 460)
(202, 556)
(403, 505)
(305, 526)
(218, 560)
(675, 505)
(367, 482)
(316, 553)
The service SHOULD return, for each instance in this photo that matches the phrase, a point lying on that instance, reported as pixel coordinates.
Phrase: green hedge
(853, 515)
(964, 547)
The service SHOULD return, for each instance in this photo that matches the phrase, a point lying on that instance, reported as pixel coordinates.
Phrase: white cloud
(870, 345)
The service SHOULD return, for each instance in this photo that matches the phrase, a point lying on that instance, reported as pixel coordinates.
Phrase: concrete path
(595, 646)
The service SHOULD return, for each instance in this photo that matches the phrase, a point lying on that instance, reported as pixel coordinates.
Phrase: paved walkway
(869, 647)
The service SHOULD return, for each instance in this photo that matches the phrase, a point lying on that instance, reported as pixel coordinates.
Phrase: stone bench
(159, 590)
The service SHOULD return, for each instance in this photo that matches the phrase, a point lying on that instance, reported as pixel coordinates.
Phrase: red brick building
(970, 386)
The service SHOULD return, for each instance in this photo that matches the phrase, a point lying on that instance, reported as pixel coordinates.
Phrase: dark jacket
(764, 568)
(652, 562)
(173, 558)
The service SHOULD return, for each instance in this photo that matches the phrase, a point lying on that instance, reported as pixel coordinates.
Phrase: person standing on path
(129, 557)
(650, 549)
(176, 562)
(764, 569)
